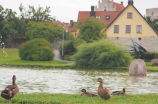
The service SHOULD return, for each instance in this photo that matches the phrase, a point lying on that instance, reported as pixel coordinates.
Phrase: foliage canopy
(48, 31)
(91, 29)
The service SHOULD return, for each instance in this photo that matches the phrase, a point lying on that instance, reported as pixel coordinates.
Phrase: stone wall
(150, 43)
(15, 43)
(12, 42)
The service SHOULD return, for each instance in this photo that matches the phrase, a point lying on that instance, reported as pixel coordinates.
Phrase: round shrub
(36, 50)
(101, 54)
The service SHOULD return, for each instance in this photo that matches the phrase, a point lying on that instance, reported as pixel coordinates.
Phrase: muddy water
(72, 81)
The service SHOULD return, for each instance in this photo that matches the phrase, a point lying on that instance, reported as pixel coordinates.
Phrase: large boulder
(138, 67)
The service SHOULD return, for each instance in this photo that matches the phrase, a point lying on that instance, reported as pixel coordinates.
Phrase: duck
(119, 92)
(84, 93)
(104, 93)
(11, 90)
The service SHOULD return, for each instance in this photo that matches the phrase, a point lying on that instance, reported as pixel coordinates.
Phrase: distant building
(107, 5)
(152, 13)
(69, 27)
(107, 15)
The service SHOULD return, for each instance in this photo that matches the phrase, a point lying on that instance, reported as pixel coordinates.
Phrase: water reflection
(72, 81)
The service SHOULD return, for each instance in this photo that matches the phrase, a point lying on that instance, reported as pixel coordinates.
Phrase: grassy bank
(77, 99)
(12, 58)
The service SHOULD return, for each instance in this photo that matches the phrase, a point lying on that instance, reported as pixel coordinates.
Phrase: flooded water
(72, 81)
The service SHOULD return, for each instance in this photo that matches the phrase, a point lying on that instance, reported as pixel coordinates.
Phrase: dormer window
(98, 17)
(107, 17)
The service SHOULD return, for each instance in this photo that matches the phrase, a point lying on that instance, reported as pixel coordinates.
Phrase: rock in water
(138, 67)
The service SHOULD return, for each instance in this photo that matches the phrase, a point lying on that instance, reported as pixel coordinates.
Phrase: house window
(129, 15)
(128, 28)
(116, 28)
(98, 17)
(139, 28)
(152, 13)
(107, 17)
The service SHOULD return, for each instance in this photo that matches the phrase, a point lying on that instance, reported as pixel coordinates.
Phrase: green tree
(152, 22)
(39, 14)
(14, 27)
(1, 18)
(48, 31)
(9, 14)
(91, 29)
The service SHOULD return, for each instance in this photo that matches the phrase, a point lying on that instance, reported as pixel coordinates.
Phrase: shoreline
(64, 67)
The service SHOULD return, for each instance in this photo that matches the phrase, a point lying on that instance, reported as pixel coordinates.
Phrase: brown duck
(103, 93)
(11, 90)
(119, 92)
(84, 93)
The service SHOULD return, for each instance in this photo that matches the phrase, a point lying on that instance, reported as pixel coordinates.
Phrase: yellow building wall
(137, 19)
(74, 34)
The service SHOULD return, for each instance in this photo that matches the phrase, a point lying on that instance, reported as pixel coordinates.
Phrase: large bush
(70, 46)
(101, 54)
(36, 50)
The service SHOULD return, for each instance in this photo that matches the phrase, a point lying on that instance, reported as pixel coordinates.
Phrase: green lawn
(12, 58)
(77, 99)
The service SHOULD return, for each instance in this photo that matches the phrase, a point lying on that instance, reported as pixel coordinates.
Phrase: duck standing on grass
(84, 93)
(103, 93)
(11, 90)
(119, 92)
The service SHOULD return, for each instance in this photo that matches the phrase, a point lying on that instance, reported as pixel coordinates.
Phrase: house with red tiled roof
(107, 11)
(107, 15)
(69, 27)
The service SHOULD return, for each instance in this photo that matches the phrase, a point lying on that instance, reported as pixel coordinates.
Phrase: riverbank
(9, 57)
(43, 98)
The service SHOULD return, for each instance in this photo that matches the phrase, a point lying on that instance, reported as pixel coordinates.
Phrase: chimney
(130, 2)
(92, 13)
(121, 2)
(71, 23)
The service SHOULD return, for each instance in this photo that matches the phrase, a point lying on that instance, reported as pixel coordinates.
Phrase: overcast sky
(66, 10)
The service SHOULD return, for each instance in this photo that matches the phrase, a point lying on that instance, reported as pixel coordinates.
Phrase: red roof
(102, 14)
(119, 7)
(57, 22)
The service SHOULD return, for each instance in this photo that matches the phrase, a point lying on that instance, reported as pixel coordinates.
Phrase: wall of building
(105, 5)
(153, 13)
(150, 43)
(137, 19)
